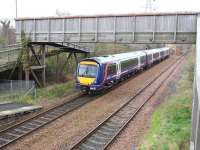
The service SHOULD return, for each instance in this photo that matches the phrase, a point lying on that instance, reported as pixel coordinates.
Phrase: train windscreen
(87, 71)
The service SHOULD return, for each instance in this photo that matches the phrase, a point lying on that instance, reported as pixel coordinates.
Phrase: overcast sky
(38, 8)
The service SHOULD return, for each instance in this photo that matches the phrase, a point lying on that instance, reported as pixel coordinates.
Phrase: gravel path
(132, 136)
(65, 131)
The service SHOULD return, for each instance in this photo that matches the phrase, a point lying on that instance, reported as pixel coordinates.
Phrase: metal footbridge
(9, 55)
(123, 28)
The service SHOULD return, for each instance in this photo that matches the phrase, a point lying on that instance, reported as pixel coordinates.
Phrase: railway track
(24, 128)
(105, 133)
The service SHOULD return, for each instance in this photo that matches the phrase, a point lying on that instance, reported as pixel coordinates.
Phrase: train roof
(151, 51)
(116, 57)
(123, 56)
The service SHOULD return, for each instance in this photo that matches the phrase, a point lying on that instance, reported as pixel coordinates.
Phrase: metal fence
(195, 137)
(16, 88)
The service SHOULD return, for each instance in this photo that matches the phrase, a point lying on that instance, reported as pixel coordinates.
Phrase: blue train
(97, 73)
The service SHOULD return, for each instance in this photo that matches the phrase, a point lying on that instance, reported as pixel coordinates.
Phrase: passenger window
(162, 53)
(128, 64)
(112, 70)
(156, 55)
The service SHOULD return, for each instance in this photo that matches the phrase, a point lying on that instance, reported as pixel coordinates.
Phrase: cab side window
(112, 70)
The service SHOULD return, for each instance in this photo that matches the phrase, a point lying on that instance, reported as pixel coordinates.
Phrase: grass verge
(45, 94)
(171, 123)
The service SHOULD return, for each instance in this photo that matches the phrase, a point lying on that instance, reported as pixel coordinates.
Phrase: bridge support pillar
(27, 74)
(20, 72)
(44, 66)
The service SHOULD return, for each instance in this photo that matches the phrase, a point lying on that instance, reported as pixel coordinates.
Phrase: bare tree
(5, 29)
(7, 33)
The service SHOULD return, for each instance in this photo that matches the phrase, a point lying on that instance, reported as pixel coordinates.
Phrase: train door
(146, 59)
(118, 70)
(139, 62)
(159, 55)
(152, 58)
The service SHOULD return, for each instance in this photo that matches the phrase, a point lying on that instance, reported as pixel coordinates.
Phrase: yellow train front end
(87, 72)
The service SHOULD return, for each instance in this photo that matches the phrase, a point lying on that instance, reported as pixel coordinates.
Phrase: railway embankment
(171, 123)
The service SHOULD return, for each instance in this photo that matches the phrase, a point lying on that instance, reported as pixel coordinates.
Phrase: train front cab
(87, 75)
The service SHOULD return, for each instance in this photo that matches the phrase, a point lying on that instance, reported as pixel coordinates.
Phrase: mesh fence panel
(16, 88)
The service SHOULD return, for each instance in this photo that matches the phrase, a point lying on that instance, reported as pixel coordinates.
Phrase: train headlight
(95, 81)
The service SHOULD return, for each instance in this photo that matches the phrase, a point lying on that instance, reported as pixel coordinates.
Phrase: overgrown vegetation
(103, 49)
(171, 122)
(58, 70)
(44, 94)
(24, 57)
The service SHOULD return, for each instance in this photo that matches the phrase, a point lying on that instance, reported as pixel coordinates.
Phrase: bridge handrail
(76, 46)
(9, 55)
(18, 46)
(12, 45)
(9, 48)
